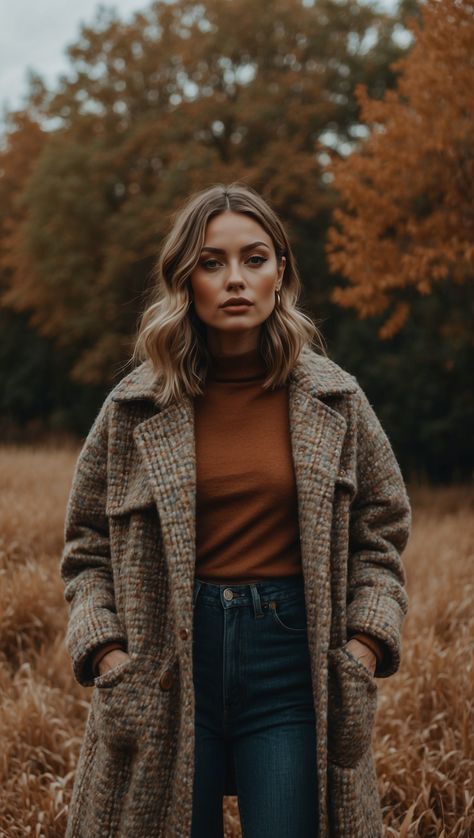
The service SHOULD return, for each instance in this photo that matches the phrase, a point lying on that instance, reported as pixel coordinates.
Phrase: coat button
(166, 680)
(183, 633)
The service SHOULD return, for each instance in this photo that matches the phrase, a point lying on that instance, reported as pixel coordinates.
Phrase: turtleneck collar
(245, 366)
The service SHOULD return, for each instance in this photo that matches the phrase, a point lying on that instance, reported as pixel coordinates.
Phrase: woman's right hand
(111, 659)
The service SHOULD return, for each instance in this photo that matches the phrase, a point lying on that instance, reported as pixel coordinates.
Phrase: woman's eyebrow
(242, 249)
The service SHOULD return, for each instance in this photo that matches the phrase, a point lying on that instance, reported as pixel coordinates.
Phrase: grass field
(424, 736)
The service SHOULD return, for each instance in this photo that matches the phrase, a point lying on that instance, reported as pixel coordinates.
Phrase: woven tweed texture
(128, 568)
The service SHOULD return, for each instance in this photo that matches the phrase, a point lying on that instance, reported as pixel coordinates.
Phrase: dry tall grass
(424, 735)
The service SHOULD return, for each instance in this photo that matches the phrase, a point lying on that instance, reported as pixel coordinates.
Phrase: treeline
(369, 164)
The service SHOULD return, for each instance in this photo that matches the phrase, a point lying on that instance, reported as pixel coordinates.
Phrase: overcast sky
(35, 33)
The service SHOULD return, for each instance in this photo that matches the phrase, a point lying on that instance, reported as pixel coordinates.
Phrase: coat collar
(315, 374)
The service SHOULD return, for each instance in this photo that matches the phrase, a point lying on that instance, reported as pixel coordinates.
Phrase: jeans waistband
(257, 594)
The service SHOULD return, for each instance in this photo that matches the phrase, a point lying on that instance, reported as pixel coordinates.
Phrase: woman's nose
(234, 273)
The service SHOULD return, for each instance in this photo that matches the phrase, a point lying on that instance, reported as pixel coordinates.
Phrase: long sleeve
(380, 524)
(85, 564)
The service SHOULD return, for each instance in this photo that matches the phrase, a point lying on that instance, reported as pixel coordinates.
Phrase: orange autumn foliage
(407, 219)
(178, 96)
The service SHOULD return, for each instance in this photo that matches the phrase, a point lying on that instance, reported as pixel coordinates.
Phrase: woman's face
(238, 259)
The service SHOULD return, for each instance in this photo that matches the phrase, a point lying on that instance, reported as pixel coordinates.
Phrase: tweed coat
(128, 567)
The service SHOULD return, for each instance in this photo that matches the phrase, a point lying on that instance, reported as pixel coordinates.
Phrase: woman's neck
(242, 366)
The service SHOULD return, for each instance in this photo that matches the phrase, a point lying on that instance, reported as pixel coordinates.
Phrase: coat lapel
(166, 444)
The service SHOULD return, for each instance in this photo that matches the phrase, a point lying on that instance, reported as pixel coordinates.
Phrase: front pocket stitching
(280, 623)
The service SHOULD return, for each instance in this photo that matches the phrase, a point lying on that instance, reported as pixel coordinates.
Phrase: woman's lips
(241, 307)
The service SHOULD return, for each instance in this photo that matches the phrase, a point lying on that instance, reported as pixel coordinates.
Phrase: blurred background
(355, 120)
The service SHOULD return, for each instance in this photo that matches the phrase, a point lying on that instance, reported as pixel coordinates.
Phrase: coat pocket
(352, 704)
(124, 701)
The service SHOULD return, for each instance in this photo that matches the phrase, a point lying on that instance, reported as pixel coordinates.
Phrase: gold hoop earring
(277, 294)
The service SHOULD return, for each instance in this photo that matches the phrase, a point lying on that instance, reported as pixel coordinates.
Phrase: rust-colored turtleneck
(246, 503)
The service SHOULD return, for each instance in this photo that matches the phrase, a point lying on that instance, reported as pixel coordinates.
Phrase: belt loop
(257, 604)
(197, 588)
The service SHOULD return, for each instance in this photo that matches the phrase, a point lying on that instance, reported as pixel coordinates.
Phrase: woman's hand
(362, 653)
(111, 659)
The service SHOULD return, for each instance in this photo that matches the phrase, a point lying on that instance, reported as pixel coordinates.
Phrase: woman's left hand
(362, 653)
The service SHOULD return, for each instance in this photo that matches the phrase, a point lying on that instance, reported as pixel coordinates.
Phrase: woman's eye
(210, 264)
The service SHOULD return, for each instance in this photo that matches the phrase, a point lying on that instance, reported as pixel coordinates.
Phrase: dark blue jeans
(254, 705)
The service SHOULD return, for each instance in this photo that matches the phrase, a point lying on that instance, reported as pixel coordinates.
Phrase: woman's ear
(281, 268)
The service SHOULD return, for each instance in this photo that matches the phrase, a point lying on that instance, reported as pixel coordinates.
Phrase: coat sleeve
(380, 523)
(85, 565)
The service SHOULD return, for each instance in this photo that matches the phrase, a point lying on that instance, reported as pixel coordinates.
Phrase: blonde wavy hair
(172, 338)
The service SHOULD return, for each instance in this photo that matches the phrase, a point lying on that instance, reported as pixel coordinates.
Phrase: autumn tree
(182, 95)
(407, 221)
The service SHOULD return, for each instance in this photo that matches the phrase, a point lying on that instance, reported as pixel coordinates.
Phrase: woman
(232, 557)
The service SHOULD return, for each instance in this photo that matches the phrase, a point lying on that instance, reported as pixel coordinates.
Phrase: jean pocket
(289, 615)
(352, 704)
